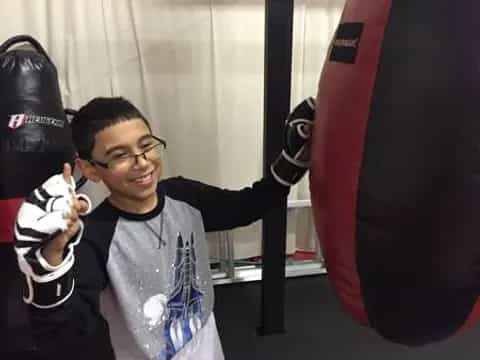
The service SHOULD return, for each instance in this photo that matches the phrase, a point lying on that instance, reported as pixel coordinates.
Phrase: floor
(316, 328)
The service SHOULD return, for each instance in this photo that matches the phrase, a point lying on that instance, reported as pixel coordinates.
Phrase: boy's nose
(140, 160)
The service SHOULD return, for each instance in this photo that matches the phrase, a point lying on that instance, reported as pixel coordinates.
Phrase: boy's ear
(87, 170)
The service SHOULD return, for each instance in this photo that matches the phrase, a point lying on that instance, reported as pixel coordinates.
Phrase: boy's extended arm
(225, 209)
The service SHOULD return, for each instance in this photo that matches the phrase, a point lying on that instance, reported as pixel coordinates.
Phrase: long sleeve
(77, 323)
(224, 209)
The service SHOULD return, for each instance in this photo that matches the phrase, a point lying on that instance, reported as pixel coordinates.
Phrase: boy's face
(133, 187)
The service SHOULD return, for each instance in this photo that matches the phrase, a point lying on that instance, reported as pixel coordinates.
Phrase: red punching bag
(35, 140)
(395, 166)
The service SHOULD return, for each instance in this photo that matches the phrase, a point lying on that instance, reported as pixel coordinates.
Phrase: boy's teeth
(143, 178)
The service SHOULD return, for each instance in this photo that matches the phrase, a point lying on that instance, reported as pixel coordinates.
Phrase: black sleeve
(76, 329)
(224, 209)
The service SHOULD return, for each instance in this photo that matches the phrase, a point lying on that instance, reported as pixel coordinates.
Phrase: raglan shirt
(145, 279)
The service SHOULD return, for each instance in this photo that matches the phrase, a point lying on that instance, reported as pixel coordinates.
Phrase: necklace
(161, 242)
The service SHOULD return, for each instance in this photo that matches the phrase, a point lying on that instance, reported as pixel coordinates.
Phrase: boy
(142, 261)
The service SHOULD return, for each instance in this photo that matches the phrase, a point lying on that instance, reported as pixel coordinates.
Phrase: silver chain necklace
(161, 242)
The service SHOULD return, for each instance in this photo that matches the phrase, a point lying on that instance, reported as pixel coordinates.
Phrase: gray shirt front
(160, 289)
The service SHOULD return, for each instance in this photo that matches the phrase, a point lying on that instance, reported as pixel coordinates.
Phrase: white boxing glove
(41, 217)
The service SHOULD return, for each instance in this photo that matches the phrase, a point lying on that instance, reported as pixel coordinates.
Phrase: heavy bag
(35, 140)
(395, 166)
(35, 137)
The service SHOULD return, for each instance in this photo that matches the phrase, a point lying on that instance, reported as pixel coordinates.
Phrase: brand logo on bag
(16, 121)
(19, 120)
(346, 42)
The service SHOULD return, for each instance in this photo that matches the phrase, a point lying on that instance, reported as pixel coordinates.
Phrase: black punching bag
(35, 140)
(35, 137)
(395, 168)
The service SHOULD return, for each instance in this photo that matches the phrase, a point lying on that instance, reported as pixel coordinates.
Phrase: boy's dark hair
(98, 114)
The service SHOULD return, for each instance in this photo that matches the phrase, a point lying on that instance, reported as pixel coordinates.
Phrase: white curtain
(194, 67)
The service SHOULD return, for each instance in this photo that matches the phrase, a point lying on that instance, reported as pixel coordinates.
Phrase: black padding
(35, 137)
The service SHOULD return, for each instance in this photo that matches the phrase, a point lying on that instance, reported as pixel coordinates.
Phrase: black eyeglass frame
(161, 142)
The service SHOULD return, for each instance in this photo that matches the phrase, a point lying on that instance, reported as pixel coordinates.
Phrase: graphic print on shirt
(154, 310)
(184, 304)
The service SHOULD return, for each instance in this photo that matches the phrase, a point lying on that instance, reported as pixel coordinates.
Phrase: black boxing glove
(294, 160)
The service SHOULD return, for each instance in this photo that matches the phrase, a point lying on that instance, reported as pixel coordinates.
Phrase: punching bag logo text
(346, 42)
(17, 120)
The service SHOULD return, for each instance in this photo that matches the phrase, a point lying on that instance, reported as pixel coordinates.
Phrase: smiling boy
(140, 259)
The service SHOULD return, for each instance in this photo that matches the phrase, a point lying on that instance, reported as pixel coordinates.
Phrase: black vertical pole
(278, 65)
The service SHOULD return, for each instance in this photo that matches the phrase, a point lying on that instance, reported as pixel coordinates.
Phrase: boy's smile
(145, 180)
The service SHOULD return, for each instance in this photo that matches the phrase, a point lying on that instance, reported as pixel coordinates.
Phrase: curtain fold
(196, 70)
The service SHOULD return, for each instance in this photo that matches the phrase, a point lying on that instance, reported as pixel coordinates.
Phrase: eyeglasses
(152, 149)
